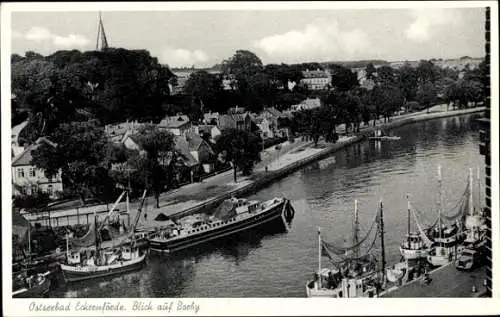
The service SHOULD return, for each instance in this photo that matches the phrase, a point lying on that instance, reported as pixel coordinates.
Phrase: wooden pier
(447, 281)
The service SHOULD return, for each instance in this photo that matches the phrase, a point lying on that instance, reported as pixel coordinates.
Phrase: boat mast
(471, 193)
(439, 201)
(96, 236)
(382, 244)
(479, 191)
(29, 240)
(319, 258)
(356, 227)
(409, 210)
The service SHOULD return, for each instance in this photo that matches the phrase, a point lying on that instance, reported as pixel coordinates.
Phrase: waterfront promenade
(447, 281)
(207, 194)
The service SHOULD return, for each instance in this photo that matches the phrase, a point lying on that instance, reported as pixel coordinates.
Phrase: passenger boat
(355, 276)
(447, 239)
(32, 286)
(381, 136)
(95, 261)
(231, 217)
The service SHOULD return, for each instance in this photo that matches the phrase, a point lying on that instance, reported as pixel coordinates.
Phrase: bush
(39, 200)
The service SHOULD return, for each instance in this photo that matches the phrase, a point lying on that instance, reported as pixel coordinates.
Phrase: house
(185, 161)
(178, 124)
(187, 166)
(275, 121)
(207, 129)
(316, 79)
(235, 120)
(27, 179)
(211, 118)
(201, 151)
(116, 132)
(265, 129)
(307, 104)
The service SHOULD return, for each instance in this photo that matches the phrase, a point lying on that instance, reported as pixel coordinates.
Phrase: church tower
(102, 41)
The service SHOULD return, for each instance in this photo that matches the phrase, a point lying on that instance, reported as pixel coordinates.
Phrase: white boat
(447, 239)
(475, 226)
(398, 272)
(415, 246)
(234, 216)
(95, 261)
(105, 263)
(355, 277)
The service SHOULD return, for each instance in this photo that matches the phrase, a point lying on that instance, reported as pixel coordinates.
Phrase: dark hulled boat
(33, 286)
(232, 217)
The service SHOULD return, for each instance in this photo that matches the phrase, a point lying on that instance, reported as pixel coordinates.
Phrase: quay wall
(265, 179)
(259, 179)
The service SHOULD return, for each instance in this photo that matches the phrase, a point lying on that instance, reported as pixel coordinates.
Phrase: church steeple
(102, 41)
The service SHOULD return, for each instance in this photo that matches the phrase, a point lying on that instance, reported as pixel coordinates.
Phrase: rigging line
(344, 249)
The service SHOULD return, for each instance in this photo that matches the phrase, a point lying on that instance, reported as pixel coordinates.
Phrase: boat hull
(413, 254)
(75, 274)
(273, 217)
(37, 291)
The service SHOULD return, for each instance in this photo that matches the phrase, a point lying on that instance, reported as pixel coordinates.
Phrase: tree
(386, 76)
(408, 79)
(387, 100)
(343, 78)
(426, 95)
(205, 89)
(241, 148)
(81, 153)
(427, 72)
(370, 71)
(159, 147)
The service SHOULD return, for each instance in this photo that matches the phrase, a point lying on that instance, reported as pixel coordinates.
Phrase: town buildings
(316, 79)
(27, 179)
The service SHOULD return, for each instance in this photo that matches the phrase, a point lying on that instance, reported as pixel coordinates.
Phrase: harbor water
(278, 264)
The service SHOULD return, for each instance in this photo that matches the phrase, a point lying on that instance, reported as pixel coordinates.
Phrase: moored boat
(231, 217)
(415, 246)
(98, 260)
(356, 276)
(33, 286)
(475, 226)
(104, 263)
(381, 136)
(447, 239)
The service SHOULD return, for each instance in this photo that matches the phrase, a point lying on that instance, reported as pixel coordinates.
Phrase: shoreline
(262, 181)
(259, 179)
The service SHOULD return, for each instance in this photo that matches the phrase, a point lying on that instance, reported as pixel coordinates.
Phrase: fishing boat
(119, 256)
(447, 239)
(31, 286)
(381, 136)
(352, 277)
(475, 226)
(414, 246)
(233, 216)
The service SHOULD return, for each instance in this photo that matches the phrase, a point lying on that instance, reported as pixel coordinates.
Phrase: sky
(204, 38)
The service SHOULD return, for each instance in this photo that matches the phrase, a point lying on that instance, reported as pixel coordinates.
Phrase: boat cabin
(413, 242)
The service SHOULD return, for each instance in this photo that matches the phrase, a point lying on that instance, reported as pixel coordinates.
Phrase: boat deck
(447, 281)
